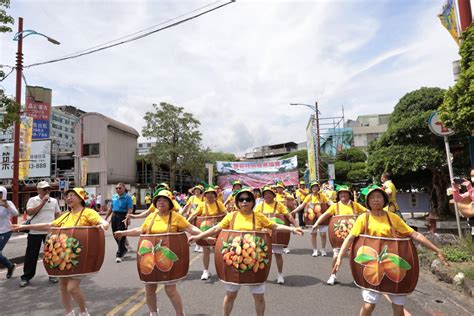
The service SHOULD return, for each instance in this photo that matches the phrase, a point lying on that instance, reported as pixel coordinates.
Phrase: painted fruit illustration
(247, 253)
(343, 227)
(205, 225)
(376, 265)
(310, 214)
(61, 252)
(160, 256)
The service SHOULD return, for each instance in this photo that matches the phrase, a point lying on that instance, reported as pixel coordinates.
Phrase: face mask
(472, 179)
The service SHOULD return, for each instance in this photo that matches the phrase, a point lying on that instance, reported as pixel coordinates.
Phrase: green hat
(165, 193)
(372, 188)
(343, 188)
(302, 182)
(268, 188)
(280, 185)
(236, 182)
(313, 183)
(163, 185)
(210, 189)
(244, 190)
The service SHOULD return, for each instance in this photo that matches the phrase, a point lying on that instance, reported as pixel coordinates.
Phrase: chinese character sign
(40, 112)
(26, 128)
(39, 160)
(84, 170)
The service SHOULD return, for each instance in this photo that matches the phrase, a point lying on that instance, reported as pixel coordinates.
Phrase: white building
(62, 130)
(368, 128)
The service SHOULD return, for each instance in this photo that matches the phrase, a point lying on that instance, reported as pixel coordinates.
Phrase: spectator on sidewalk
(134, 202)
(40, 209)
(121, 208)
(148, 200)
(98, 202)
(468, 195)
(7, 211)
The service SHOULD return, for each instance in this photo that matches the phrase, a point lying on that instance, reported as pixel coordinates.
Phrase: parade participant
(134, 202)
(344, 206)
(220, 194)
(301, 194)
(7, 211)
(120, 210)
(258, 195)
(40, 209)
(210, 207)
(269, 206)
(148, 200)
(390, 189)
(192, 204)
(157, 223)
(245, 219)
(78, 215)
(285, 199)
(380, 223)
(230, 202)
(330, 193)
(316, 197)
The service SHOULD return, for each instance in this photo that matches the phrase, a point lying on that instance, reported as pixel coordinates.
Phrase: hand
(119, 234)
(193, 239)
(3, 203)
(298, 231)
(337, 265)
(441, 257)
(466, 182)
(454, 186)
(314, 228)
(17, 227)
(103, 227)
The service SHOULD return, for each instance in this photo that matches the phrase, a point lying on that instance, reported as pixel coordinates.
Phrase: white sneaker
(323, 253)
(200, 249)
(196, 248)
(155, 313)
(118, 260)
(86, 313)
(280, 279)
(315, 253)
(205, 275)
(332, 279)
(71, 313)
(286, 250)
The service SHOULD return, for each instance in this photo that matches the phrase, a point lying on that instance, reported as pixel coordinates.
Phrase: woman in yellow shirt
(381, 224)
(163, 202)
(211, 207)
(270, 206)
(344, 206)
(245, 220)
(230, 202)
(78, 215)
(301, 194)
(316, 197)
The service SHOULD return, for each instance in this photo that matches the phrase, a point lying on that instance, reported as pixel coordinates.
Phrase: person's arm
(104, 224)
(193, 230)
(109, 212)
(428, 244)
(291, 219)
(129, 232)
(141, 215)
(288, 229)
(322, 218)
(192, 216)
(41, 227)
(212, 231)
(299, 208)
(10, 207)
(33, 210)
(345, 246)
(457, 197)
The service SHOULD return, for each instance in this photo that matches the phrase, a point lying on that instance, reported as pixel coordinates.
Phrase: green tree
(409, 151)
(8, 108)
(342, 168)
(196, 165)
(302, 158)
(178, 139)
(457, 110)
(351, 155)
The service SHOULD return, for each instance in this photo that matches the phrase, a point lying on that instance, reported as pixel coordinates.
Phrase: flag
(26, 133)
(449, 20)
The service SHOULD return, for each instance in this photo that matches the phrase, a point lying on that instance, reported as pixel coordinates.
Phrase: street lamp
(19, 69)
(318, 151)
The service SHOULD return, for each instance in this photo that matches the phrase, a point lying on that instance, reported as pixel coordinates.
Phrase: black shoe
(53, 280)
(10, 271)
(24, 283)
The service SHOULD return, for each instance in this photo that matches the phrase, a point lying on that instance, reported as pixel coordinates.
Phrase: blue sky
(238, 68)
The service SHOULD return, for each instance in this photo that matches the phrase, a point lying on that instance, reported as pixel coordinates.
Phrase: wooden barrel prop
(319, 210)
(339, 228)
(385, 265)
(74, 251)
(163, 258)
(309, 214)
(243, 257)
(466, 207)
(279, 238)
(204, 223)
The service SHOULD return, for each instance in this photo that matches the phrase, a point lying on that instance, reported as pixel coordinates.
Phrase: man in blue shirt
(121, 206)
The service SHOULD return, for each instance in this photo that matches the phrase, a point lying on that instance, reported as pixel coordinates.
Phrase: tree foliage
(410, 151)
(457, 110)
(9, 109)
(178, 139)
(351, 155)
(302, 158)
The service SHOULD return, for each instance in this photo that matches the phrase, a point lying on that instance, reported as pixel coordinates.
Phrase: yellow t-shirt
(212, 209)
(268, 208)
(134, 200)
(89, 217)
(176, 207)
(331, 194)
(392, 195)
(282, 198)
(147, 199)
(380, 227)
(346, 209)
(319, 198)
(160, 224)
(194, 201)
(244, 222)
(220, 196)
(301, 194)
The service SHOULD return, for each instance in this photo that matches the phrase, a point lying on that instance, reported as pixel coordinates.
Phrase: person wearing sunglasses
(230, 202)
(120, 210)
(244, 221)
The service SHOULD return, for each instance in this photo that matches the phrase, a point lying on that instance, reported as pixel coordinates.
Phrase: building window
(91, 149)
(93, 178)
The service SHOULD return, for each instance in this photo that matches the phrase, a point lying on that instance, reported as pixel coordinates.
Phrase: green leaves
(169, 254)
(364, 258)
(398, 261)
(144, 250)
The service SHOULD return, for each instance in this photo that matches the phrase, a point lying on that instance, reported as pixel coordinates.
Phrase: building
(106, 150)
(62, 130)
(367, 128)
(335, 140)
(144, 148)
(272, 151)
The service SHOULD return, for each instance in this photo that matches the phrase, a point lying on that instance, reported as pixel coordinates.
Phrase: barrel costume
(301, 194)
(316, 205)
(383, 258)
(208, 215)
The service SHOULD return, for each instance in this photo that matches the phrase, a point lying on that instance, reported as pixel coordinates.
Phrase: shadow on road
(298, 281)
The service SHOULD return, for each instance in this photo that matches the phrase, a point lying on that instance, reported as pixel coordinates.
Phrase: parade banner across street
(39, 162)
(257, 173)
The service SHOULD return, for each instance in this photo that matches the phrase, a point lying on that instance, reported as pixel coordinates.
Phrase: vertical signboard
(311, 143)
(38, 106)
(84, 171)
(26, 129)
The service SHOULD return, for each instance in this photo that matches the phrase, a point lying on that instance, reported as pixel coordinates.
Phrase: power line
(132, 39)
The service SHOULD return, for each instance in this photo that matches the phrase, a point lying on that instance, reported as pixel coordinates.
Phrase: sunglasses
(118, 188)
(243, 199)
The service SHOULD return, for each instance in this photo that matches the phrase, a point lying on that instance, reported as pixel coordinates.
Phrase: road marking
(137, 306)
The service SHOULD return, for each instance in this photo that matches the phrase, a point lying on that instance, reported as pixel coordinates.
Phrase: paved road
(116, 290)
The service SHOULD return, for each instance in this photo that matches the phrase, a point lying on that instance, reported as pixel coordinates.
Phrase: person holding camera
(468, 195)
(7, 211)
(40, 209)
